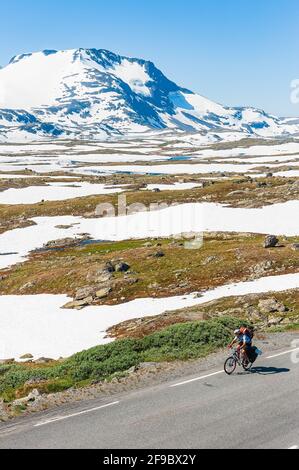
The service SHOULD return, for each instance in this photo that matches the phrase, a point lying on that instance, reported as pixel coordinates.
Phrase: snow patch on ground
(54, 192)
(173, 187)
(165, 169)
(278, 219)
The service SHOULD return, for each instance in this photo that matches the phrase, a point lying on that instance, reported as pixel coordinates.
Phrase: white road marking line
(283, 353)
(293, 447)
(196, 379)
(60, 418)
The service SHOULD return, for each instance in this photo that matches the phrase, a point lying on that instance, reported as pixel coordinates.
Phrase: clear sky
(237, 52)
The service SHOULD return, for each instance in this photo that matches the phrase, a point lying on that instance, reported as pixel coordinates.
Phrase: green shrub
(181, 341)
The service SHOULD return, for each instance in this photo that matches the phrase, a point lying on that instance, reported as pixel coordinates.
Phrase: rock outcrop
(101, 282)
(271, 241)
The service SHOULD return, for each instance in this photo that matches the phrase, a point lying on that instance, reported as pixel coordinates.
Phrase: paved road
(246, 410)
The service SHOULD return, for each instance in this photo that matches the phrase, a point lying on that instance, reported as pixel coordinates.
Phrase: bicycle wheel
(230, 365)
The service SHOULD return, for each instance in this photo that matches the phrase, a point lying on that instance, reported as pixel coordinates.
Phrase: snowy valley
(204, 187)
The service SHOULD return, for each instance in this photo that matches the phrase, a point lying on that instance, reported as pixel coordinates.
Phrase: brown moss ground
(224, 258)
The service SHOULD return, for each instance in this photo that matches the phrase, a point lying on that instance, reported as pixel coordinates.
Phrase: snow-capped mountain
(90, 93)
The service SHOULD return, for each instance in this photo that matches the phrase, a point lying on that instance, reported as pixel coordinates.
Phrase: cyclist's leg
(245, 353)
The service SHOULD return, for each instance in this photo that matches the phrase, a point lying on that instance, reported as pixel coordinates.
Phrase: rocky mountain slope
(96, 94)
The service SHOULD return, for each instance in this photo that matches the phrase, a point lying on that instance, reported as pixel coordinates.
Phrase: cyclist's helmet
(237, 332)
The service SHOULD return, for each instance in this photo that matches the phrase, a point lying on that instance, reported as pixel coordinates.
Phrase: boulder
(62, 242)
(271, 241)
(122, 267)
(78, 304)
(159, 254)
(253, 313)
(274, 321)
(26, 356)
(103, 277)
(67, 242)
(271, 305)
(101, 274)
(103, 293)
(33, 396)
(109, 267)
(83, 293)
(27, 286)
(261, 268)
(295, 247)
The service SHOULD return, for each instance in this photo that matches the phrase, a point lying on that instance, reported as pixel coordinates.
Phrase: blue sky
(237, 52)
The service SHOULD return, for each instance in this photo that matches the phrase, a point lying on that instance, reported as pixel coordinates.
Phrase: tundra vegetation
(114, 272)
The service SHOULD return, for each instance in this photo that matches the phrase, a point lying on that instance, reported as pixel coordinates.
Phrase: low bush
(181, 341)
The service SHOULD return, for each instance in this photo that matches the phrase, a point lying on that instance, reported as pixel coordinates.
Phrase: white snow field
(69, 90)
(285, 149)
(177, 169)
(15, 149)
(288, 174)
(173, 187)
(63, 191)
(54, 165)
(37, 324)
(11, 176)
(277, 219)
(165, 169)
(80, 159)
(54, 192)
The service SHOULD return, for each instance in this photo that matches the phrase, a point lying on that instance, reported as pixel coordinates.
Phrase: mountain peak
(95, 93)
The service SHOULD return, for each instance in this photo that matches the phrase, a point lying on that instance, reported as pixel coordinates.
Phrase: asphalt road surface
(209, 411)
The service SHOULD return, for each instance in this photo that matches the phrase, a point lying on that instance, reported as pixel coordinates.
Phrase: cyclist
(237, 339)
(247, 336)
(243, 336)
